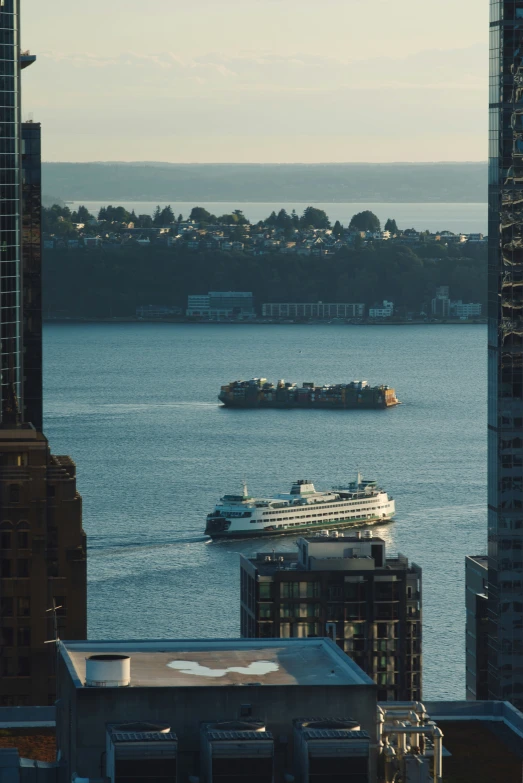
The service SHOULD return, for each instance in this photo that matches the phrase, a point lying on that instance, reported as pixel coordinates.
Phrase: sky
(280, 81)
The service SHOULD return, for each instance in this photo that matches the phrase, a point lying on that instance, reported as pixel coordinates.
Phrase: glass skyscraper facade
(10, 203)
(505, 417)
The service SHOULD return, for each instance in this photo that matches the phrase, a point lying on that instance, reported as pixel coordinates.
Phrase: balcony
(27, 59)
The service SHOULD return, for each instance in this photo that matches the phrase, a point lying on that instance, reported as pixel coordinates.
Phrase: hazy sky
(258, 80)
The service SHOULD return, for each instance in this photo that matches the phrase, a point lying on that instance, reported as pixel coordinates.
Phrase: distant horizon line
(274, 163)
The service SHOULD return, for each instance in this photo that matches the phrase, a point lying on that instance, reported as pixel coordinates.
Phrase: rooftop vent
(141, 751)
(367, 534)
(237, 750)
(108, 671)
(333, 749)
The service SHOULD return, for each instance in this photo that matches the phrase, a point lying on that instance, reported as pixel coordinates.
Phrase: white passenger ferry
(360, 503)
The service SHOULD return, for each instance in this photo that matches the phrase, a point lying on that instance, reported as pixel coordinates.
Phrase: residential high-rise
(505, 345)
(42, 543)
(344, 587)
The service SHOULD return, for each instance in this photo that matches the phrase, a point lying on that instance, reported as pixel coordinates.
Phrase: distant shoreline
(263, 322)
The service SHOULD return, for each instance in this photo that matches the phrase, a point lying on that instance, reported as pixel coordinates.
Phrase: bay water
(136, 406)
(459, 218)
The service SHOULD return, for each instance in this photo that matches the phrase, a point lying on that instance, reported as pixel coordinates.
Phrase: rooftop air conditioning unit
(237, 752)
(330, 750)
(141, 753)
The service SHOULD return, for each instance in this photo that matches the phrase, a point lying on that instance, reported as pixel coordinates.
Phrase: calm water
(466, 218)
(135, 405)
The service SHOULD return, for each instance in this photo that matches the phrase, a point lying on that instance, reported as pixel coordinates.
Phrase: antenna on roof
(54, 610)
(245, 490)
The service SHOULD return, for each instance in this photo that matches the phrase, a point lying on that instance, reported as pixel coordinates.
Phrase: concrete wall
(83, 714)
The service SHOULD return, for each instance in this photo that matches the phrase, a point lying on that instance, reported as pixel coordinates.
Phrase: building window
(354, 630)
(24, 666)
(265, 590)
(7, 637)
(22, 539)
(313, 589)
(24, 636)
(22, 567)
(5, 540)
(7, 668)
(52, 568)
(14, 493)
(265, 611)
(5, 568)
(285, 630)
(24, 606)
(6, 607)
(289, 589)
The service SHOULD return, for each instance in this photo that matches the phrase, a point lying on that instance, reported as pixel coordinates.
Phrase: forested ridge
(111, 281)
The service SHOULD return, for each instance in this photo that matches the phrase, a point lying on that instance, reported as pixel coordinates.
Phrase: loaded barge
(259, 393)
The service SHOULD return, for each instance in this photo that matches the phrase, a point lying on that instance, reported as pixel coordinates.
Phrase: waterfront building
(385, 310)
(346, 588)
(458, 309)
(505, 348)
(312, 310)
(217, 305)
(476, 630)
(440, 305)
(156, 312)
(42, 544)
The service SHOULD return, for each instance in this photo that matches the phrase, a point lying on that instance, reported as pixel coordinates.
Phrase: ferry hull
(292, 531)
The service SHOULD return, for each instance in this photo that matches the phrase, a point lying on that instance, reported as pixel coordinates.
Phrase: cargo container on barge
(259, 393)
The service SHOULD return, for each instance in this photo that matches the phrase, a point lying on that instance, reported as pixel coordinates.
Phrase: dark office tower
(346, 588)
(42, 560)
(505, 416)
(42, 543)
(32, 272)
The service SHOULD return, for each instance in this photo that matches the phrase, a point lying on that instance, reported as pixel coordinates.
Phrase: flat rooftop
(484, 739)
(222, 662)
(480, 559)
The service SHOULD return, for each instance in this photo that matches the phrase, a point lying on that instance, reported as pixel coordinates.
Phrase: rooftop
(222, 662)
(481, 560)
(484, 740)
